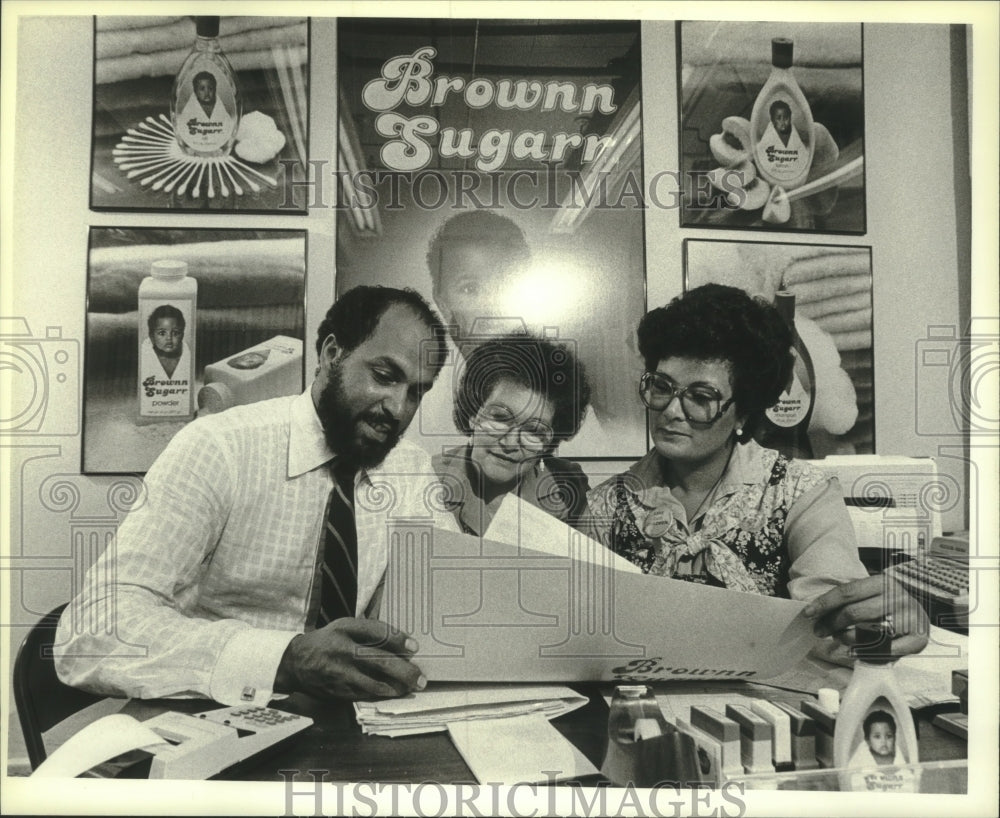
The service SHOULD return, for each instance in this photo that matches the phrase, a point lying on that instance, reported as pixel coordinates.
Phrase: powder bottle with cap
(205, 103)
(167, 333)
(875, 738)
(781, 123)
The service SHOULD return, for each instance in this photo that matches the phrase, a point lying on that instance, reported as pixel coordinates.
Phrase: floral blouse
(771, 526)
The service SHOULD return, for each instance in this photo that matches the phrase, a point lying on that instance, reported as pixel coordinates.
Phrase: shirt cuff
(245, 670)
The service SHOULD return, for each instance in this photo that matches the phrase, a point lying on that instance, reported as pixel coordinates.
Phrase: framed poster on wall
(200, 113)
(832, 289)
(494, 166)
(772, 125)
(182, 323)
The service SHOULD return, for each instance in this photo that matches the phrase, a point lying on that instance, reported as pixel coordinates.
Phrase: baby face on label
(167, 336)
(204, 89)
(782, 120)
(882, 740)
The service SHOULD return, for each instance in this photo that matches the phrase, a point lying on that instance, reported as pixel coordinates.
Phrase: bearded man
(251, 566)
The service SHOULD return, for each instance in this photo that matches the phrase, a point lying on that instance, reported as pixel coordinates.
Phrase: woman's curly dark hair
(548, 368)
(715, 322)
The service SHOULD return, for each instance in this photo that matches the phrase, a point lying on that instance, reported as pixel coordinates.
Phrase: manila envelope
(568, 609)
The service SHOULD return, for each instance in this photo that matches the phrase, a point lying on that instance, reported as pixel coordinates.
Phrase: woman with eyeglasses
(708, 504)
(518, 398)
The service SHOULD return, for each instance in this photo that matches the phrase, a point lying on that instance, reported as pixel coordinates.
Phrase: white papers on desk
(925, 677)
(99, 741)
(521, 749)
(432, 710)
(487, 611)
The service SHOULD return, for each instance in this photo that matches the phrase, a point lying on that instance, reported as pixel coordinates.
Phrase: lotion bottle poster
(494, 166)
(772, 119)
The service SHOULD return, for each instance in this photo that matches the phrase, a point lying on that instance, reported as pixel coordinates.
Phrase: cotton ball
(258, 139)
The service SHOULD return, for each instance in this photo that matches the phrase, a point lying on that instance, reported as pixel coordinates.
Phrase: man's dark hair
(777, 105)
(715, 322)
(543, 366)
(355, 315)
(204, 75)
(165, 311)
(878, 717)
(483, 226)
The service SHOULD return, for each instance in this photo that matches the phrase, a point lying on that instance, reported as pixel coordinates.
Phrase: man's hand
(870, 600)
(350, 659)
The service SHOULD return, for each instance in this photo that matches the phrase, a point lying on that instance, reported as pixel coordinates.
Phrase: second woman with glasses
(708, 504)
(518, 398)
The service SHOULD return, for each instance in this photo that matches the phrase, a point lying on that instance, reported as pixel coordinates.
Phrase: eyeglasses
(700, 403)
(497, 421)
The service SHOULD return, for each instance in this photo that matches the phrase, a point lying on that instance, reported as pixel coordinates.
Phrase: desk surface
(335, 744)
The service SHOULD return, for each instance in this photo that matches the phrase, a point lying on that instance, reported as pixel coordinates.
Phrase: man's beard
(339, 426)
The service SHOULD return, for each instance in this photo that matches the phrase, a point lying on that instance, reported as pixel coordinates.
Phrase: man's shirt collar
(307, 447)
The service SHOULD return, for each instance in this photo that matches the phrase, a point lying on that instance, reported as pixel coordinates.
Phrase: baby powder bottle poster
(166, 310)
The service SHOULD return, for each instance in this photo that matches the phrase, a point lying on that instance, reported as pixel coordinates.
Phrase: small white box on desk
(756, 739)
(781, 731)
(709, 755)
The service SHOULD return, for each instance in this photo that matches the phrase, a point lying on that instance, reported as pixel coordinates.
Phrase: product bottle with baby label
(874, 737)
(167, 330)
(781, 123)
(205, 104)
(785, 425)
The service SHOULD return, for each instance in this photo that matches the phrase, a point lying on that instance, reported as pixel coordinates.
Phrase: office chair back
(42, 700)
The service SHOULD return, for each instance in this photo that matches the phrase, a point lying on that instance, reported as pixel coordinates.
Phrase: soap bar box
(268, 370)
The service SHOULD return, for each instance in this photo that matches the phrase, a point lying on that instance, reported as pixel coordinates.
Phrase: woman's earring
(739, 431)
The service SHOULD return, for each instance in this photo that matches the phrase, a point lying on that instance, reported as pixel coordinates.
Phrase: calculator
(202, 745)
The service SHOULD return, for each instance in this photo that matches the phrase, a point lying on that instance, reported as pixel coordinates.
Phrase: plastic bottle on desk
(875, 736)
(785, 425)
(644, 749)
(781, 123)
(635, 717)
(167, 334)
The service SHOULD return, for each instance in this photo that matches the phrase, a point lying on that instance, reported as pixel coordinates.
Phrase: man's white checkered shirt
(212, 573)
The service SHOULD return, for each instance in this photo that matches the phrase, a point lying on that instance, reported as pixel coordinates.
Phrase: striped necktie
(339, 594)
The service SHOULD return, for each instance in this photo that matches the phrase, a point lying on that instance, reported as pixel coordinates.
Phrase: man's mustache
(382, 419)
